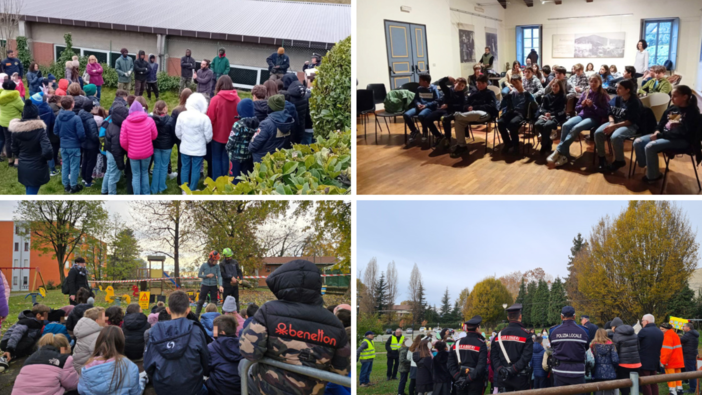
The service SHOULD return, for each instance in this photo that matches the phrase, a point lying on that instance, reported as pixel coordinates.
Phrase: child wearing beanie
(274, 132)
(31, 147)
(239, 139)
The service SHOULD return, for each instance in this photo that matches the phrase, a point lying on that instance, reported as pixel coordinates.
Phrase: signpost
(144, 300)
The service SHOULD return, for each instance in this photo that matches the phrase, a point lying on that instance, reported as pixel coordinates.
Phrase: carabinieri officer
(511, 353)
(467, 361)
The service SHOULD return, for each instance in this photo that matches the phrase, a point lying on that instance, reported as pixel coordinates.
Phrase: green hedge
(330, 103)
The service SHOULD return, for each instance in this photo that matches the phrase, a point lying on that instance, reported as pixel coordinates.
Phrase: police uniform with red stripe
(513, 370)
(467, 361)
(569, 342)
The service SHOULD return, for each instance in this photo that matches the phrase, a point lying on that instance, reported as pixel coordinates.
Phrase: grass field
(384, 387)
(8, 175)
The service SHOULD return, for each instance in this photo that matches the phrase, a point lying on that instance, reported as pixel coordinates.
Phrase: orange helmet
(214, 255)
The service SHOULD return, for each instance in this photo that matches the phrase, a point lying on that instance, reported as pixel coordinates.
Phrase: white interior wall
(480, 24)
(687, 10)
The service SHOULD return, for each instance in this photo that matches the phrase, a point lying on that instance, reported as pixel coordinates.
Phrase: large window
(528, 38)
(661, 35)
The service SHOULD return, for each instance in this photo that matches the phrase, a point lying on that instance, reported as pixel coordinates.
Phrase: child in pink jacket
(136, 137)
(49, 371)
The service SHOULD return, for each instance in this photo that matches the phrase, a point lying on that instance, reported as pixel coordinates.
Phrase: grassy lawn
(384, 387)
(8, 175)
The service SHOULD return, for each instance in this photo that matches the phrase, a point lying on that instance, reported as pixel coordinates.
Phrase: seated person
(658, 83)
(592, 110)
(589, 70)
(425, 101)
(19, 340)
(677, 130)
(624, 114)
(647, 75)
(482, 107)
(452, 101)
(551, 114)
(615, 73)
(606, 79)
(579, 81)
(86, 332)
(507, 83)
(49, 370)
(548, 75)
(628, 74)
(134, 325)
(559, 73)
(83, 303)
(532, 84)
(224, 365)
(514, 109)
(207, 319)
(538, 73)
(473, 79)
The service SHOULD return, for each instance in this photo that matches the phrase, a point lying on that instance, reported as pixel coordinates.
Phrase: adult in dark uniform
(467, 361)
(569, 342)
(511, 352)
(589, 326)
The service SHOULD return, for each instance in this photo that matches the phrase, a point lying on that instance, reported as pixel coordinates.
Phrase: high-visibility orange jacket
(671, 353)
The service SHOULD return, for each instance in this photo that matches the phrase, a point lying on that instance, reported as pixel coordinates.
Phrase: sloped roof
(258, 21)
(319, 260)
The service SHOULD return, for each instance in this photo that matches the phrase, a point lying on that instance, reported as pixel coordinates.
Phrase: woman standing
(136, 136)
(10, 108)
(108, 371)
(222, 113)
(423, 359)
(31, 147)
(94, 70)
(606, 359)
(641, 62)
(162, 146)
(34, 78)
(413, 365)
(194, 129)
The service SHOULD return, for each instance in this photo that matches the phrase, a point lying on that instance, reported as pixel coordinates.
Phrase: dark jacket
(569, 342)
(627, 345)
(141, 67)
(261, 110)
(536, 360)
(473, 354)
(591, 330)
(689, 343)
(31, 145)
(177, 357)
(606, 360)
(119, 114)
(22, 336)
(164, 139)
(555, 105)
(295, 329)
(425, 374)
(440, 372)
(273, 133)
(681, 124)
(455, 100)
(650, 343)
(77, 279)
(76, 315)
(519, 346)
(153, 70)
(69, 128)
(224, 366)
(516, 102)
(119, 102)
(298, 95)
(34, 81)
(229, 270)
(53, 137)
(533, 56)
(134, 326)
(622, 110)
(240, 137)
(484, 100)
(187, 65)
(11, 66)
(282, 61)
(405, 363)
(92, 134)
(205, 80)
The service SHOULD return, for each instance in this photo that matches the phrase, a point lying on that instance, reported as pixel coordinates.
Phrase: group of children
(63, 125)
(530, 96)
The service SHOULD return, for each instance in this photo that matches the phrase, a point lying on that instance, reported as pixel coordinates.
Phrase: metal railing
(634, 382)
(245, 365)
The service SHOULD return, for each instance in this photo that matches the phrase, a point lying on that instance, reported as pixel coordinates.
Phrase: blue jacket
(176, 357)
(569, 342)
(92, 139)
(246, 323)
(516, 102)
(207, 320)
(591, 330)
(428, 96)
(34, 81)
(46, 114)
(57, 329)
(536, 359)
(336, 389)
(70, 129)
(153, 71)
(278, 60)
(273, 133)
(606, 360)
(13, 65)
(97, 380)
(224, 366)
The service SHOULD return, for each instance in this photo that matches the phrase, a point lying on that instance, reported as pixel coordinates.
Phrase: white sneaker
(554, 135)
(562, 160)
(173, 175)
(553, 157)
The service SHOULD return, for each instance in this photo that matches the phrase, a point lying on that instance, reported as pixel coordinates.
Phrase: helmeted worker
(467, 361)
(511, 353)
(569, 342)
(231, 275)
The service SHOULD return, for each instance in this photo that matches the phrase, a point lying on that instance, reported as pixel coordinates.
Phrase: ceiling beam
(589, 1)
(558, 2)
(503, 3)
(529, 3)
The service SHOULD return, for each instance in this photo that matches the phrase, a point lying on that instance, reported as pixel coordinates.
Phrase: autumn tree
(370, 278)
(330, 226)
(638, 261)
(528, 303)
(486, 300)
(58, 227)
(511, 281)
(167, 223)
(557, 300)
(462, 300)
(391, 279)
(537, 274)
(540, 304)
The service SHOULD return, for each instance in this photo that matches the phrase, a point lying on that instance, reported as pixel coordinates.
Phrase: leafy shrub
(23, 52)
(330, 103)
(51, 285)
(166, 82)
(368, 322)
(322, 168)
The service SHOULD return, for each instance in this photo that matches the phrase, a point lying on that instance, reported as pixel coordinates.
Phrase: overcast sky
(459, 243)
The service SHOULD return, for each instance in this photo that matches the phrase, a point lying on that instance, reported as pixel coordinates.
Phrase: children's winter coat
(31, 145)
(224, 366)
(11, 106)
(207, 320)
(138, 133)
(86, 333)
(97, 379)
(46, 372)
(194, 128)
(240, 137)
(273, 133)
(21, 337)
(223, 113)
(606, 360)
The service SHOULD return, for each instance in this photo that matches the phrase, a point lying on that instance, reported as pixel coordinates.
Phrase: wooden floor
(389, 168)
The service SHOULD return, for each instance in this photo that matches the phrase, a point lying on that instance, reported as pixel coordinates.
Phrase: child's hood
(196, 102)
(207, 319)
(66, 115)
(228, 348)
(26, 318)
(228, 95)
(63, 84)
(171, 338)
(86, 327)
(7, 97)
(135, 321)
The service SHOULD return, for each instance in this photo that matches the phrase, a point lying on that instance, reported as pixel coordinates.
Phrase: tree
(557, 300)
(124, 260)
(522, 293)
(416, 294)
(391, 278)
(381, 295)
(370, 278)
(540, 304)
(445, 311)
(330, 103)
(528, 303)
(68, 53)
(536, 275)
(60, 226)
(166, 222)
(432, 316)
(421, 306)
(486, 300)
(637, 261)
(682, 304)
(571, 282)
(95, 249)
(462, 300)
(10, 15)
(23, 52)
(511, 282)
(331, 228)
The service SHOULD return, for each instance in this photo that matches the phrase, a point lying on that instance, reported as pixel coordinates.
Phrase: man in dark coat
(689, 342)
(77, 279)
(569, 342)
(467, 361)
(589, 327)
(12, 65)
(274, 132)
(278, 64)
(512, 365)
(650, 341)
(141, 73)
(231, 275)
(187, 65)
(533, 56)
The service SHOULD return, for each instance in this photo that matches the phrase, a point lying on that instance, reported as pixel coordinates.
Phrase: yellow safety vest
(395, 345)
(368, 353)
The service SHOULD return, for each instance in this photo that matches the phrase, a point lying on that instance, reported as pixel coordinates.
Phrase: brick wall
(43, 53)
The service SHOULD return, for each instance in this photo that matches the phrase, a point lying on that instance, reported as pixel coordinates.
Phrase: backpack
(668, 64)
(64, 287)
(103, 131)
(648, 122)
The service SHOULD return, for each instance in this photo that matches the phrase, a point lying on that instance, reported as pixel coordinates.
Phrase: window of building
(16, 247)
(17, 230)
(661, 35)
(528, 38)
(58, 49)
(26, 246)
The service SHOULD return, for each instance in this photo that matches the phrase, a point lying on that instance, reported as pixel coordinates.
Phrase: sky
(456, 244)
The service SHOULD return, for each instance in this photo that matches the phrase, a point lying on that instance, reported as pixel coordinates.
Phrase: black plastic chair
(529, 122)
(365, 106)
(411, 86)
(379, 95)
(670, 154)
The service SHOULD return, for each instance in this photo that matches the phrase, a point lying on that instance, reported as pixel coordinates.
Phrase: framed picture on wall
(491, 42)
(598, 45)
(466, 46)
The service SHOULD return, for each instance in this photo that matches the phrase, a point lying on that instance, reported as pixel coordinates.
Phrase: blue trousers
(241, 168)
(647, 152)
(112, 175)
(421, 115)
(190, 170)
(71, 167)
(572, 129)
(307, 138)
(162, 157)
(617, 138)
(366, 369)
(691, 366)
(31, 190)
(220, 160)
(99, 92)
(140, 175)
